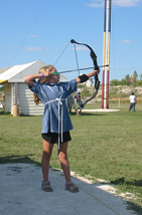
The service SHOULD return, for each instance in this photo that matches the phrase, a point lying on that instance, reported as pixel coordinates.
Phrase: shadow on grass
(131, 185)
(87, 114)
(134, 207)
(5, 114)
(92, 114)
(21, 115)
(122, 181)
(1, 112)
(18, 159)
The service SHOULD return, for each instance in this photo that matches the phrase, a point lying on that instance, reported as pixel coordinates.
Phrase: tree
(141, 76)
(123, 82)
(114, 82)
(127, 79)
(139, 83)
(135, 77)
(1, 87)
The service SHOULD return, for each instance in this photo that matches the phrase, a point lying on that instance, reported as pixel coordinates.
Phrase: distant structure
(132, 79)
(89, 82)
(106, 55)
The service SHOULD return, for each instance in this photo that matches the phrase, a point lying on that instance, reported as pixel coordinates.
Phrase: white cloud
(126, 3)
(34, 35)
(125, 41)
(119, 3)
(33, 48)
(97, 3)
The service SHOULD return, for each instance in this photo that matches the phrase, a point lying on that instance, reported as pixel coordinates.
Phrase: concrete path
(21, 194)
(100, 110)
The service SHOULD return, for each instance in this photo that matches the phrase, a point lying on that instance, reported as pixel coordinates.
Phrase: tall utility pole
(106, 55)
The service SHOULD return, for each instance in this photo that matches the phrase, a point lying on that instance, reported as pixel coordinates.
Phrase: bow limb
(94, 95)
(96, 67)
(92, 53)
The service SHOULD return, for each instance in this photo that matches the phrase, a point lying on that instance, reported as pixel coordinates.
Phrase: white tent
(17, 92)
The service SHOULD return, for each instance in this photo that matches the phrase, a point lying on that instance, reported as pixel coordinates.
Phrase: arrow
(86, 68)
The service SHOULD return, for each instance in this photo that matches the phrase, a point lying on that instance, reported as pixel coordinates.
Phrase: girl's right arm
(29, 80)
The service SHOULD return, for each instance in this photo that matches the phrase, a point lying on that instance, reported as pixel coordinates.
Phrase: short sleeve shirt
(132, 99)
(55, 110)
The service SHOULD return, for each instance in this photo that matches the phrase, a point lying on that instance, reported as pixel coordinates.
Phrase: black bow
(96, 67)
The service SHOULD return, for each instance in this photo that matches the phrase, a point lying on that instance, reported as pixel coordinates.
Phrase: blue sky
(41, 29)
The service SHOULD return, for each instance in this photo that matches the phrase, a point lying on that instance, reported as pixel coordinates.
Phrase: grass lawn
(104, 145)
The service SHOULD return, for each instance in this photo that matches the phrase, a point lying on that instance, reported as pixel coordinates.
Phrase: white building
(17, 92)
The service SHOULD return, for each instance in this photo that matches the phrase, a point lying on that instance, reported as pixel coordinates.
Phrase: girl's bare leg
(64, 161)
(47, 150)
(65, 166)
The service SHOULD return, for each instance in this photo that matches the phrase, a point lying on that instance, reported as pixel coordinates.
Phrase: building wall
(26, 103)
(7, 101)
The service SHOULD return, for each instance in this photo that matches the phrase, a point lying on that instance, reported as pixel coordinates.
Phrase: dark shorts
(53, 137)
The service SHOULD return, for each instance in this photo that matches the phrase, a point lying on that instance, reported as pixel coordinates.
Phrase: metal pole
(106, 54)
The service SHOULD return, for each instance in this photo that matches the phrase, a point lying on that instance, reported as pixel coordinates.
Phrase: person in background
(70, 103)
(133, 101)
(56, 122)
(79, 102)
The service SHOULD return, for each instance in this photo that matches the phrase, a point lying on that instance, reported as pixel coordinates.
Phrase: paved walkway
(21, 194)
(100, 110)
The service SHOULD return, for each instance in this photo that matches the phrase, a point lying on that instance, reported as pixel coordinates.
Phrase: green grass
(104, 145)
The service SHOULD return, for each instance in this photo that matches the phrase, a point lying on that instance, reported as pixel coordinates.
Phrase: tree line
(1, 88)
(133, 80)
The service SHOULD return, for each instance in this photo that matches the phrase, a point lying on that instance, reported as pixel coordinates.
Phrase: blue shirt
(55, 117)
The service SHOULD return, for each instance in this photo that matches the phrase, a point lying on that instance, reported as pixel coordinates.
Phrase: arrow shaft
(86, 68)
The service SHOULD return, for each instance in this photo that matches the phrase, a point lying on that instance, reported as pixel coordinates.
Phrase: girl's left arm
(89, 75)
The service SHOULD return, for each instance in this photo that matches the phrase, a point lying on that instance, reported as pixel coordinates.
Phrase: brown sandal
(72, 189)
(46, 186)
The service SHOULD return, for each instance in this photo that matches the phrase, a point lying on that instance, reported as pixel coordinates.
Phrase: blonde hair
(47, 68)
